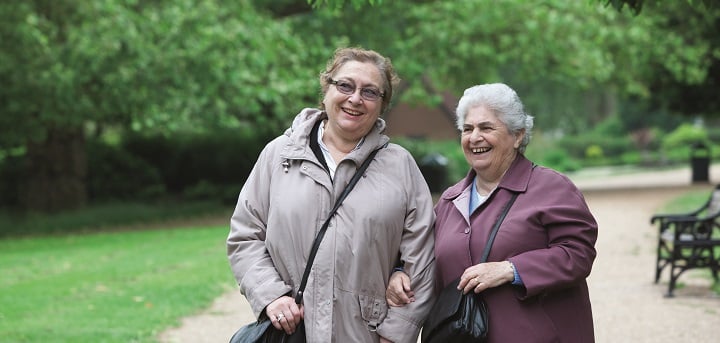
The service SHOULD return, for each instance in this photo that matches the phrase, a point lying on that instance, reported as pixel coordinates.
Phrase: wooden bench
(689, 240)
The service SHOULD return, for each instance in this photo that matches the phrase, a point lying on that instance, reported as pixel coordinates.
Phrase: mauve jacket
(389, 212)
(549, 235)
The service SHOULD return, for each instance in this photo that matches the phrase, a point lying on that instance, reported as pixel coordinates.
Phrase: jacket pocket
(373, 309)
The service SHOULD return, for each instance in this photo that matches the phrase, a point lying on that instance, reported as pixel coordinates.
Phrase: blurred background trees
(131, 99)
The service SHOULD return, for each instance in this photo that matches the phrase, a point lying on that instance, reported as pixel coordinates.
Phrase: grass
(112, 286)
(98, 275)
(686, 202)
(107, 216)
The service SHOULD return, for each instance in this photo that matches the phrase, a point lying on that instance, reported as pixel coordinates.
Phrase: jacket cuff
(399, 330)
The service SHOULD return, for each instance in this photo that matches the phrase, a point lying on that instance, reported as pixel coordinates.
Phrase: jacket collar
(516, 179)
(298, 145)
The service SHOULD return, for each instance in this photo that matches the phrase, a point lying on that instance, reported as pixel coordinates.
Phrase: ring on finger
(280, 316)
(477, 279)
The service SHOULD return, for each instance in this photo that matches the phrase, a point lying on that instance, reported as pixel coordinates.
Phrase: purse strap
(323, 229)
(499, 221)
(495, 229)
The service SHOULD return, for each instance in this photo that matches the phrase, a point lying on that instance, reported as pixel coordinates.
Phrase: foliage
(106, 216)
(602, 56)
(138, 283)
(567, 154)
(223, 157)
(572, 48)
(559, 160)
(636, 114)
(636, 6)
(11, 173)
(611, 145)
(357, 4)
(456, 166)
(116, 174)
(691, 91)
(684, 136)
(145, 167)
(173, 66)
(594, 152)
(163, 65)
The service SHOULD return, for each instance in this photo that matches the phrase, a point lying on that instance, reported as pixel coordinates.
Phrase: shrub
(612, 146)
(594, 152)
(682, 143)
(559, 160)
(450, 149)
(200, 161)
(115, 174)
(685, 136)
(11, 174)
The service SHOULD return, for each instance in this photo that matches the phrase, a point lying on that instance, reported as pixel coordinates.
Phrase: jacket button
(467, 230)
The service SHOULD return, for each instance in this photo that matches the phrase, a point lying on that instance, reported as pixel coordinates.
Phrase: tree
(669, 55)
(73, 68)
(689, 91)
(159, 65)
(561, 56)
(636, 6)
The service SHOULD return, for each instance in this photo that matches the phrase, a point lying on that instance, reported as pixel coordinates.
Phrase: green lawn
(108, 287)
(67, 282)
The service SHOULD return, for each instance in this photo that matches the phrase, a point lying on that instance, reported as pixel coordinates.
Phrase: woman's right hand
(285, 314)
(399, 292)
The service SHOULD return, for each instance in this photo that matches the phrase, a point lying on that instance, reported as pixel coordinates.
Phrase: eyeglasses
(345, 87)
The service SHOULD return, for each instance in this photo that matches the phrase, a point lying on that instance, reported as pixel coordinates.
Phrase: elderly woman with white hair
(534, 280)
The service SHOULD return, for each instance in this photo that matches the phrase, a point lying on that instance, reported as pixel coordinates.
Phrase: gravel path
(627, 305)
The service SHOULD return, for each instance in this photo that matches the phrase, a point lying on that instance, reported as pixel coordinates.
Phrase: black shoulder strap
(499, 221)
(494, 231)
(323, 229)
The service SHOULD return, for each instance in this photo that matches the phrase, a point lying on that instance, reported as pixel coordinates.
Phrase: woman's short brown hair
(384, 65)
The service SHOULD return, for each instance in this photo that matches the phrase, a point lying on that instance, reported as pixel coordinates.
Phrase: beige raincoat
(388, 214)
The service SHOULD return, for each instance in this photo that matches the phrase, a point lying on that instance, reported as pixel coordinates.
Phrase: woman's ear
(519, 138)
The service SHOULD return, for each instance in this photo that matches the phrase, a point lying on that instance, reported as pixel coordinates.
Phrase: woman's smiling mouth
(351, 112)
(479, 150)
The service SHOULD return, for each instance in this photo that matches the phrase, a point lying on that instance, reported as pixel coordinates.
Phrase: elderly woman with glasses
(534, 280)
(292, 188)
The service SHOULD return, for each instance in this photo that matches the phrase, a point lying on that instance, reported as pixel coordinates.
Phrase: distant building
(423, 122)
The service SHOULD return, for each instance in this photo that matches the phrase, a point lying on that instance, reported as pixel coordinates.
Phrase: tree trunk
(56, 170)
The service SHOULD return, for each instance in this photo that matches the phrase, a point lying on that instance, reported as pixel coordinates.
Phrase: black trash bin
(434, 168)
(700, 162)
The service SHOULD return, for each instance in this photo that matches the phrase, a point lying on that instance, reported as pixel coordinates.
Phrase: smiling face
(488, 145)
(350, 117)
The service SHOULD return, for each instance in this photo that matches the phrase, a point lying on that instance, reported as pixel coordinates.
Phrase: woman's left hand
(285, 314)
(486, 275)
(399, 292)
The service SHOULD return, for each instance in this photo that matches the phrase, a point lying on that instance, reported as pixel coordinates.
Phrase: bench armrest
(673, 217)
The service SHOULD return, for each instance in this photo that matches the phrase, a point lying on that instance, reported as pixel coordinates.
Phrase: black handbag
(456, 317)
(262, 331)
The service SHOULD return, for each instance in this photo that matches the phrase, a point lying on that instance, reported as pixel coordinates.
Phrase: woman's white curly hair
(502, 100)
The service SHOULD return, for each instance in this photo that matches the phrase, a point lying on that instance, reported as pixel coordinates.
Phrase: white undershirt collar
(332, 165)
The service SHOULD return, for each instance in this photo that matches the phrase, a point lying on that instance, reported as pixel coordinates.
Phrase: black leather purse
(456, 317)
(262, 331)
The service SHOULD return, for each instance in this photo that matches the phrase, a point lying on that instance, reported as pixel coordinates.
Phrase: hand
(284, 314)
(399, 292)
(485, 275)
(385, 340)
